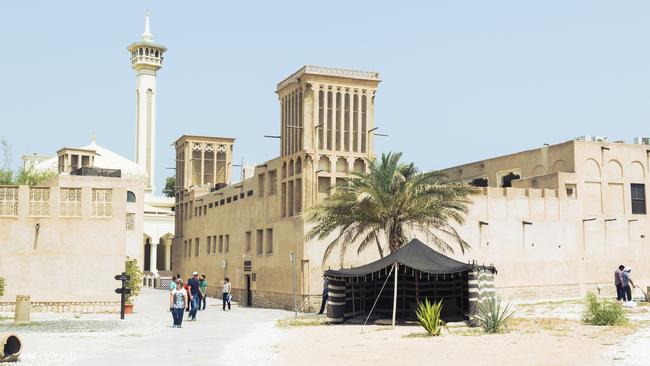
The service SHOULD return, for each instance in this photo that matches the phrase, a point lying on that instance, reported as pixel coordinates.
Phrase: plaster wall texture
(70, 259)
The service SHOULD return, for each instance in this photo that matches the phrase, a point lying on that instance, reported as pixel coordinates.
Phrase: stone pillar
(23, 309)
(168, 254)
(153, 256)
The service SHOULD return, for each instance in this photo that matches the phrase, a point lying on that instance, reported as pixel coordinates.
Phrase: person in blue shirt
(627, 281)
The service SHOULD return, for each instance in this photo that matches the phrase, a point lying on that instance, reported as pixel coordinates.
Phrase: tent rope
(380, 291)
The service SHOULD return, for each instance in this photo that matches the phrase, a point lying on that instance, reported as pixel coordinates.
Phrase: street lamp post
(292, 259)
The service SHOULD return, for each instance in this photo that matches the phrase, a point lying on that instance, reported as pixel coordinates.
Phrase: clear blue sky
(462, 80)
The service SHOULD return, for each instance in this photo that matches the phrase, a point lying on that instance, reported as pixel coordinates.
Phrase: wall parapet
(512, 192)
(90, 307)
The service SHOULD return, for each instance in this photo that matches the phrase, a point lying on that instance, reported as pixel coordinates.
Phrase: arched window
(130, 196)
(140, 51)
(156, 53)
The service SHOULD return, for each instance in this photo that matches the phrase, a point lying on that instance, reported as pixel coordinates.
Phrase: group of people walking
(191, 296)
(623, 281)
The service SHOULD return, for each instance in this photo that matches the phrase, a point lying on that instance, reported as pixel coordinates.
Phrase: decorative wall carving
(8, 201)
(70, 202)
(102, 203)
(39, 201)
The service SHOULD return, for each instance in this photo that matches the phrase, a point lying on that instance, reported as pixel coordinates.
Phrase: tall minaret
(146, 59)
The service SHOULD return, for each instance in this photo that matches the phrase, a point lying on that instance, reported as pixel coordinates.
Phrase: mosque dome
(104, 158)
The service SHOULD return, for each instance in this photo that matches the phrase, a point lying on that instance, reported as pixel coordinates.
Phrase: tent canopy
(414, 254)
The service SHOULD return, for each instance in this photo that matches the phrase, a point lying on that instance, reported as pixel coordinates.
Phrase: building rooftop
(328, 71)
(204, 138)
(105, 159)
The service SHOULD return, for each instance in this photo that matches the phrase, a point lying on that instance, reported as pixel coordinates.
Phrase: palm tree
(389, 204)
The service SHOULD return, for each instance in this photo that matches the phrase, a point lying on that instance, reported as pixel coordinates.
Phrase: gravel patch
(66, 326)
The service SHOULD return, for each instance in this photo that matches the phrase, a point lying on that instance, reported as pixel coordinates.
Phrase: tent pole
(417, 290)
(378, 296)
(396, 267)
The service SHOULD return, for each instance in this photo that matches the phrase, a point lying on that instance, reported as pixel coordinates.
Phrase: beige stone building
(555, 221)
(247, 230)
(64, 240)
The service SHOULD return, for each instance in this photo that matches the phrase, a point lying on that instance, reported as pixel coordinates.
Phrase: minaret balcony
(146, 60)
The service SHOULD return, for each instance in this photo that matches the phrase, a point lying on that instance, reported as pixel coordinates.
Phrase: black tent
(421, 273)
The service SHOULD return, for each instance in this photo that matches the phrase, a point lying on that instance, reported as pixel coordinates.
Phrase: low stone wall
(66, 307)
(271, 300)
(555, 292)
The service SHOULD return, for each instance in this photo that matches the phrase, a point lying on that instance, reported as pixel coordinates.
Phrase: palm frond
(392, 200)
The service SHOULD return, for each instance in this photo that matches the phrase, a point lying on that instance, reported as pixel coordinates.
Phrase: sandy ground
(542, 334)
(353, 345)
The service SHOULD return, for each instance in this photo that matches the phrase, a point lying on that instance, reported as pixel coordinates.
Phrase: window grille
(39, 201)
(8, 201)
(102, 203)
(638, 199)
(70, 202)
(130, 222)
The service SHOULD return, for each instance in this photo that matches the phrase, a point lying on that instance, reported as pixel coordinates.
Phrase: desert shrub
(492, 316)
(2, 286)
(429, 317)
(135, 282)
(603, 312)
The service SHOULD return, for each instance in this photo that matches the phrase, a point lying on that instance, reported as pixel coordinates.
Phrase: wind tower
(146, 60)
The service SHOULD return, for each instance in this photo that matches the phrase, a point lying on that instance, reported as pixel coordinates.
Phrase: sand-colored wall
(529, 163)
(72, 259)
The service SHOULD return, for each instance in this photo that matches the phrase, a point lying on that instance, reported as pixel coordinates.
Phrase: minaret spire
(146, 60)
(147, 36)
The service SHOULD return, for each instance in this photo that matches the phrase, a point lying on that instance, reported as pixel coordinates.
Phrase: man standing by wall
(203, 283)
(627, 281)
(618, 282)
(325, 295)
(195, 291)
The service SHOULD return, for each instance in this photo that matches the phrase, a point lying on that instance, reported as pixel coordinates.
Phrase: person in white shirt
(177, 302)
(226, 293)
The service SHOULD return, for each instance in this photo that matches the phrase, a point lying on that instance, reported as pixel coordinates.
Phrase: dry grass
(418, 335)
(549, 303)
(537, 325)
(301, 322)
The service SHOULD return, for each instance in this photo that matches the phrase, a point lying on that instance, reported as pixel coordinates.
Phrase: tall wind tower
(146, 59)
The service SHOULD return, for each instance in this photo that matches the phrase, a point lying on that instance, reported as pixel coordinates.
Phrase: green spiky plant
(386, 206)
(2, 286)
(428, 315)
(492, 316)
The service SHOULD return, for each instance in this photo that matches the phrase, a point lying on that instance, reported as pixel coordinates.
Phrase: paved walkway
(147, 337)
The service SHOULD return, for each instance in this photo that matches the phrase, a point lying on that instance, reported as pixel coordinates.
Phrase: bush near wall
(135, 283)
(603, 312)
(2, 286)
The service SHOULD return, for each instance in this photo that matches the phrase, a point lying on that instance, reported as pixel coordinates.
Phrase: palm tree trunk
(381, 251)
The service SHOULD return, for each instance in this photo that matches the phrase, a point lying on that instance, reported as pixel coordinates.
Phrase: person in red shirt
(189, 295)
